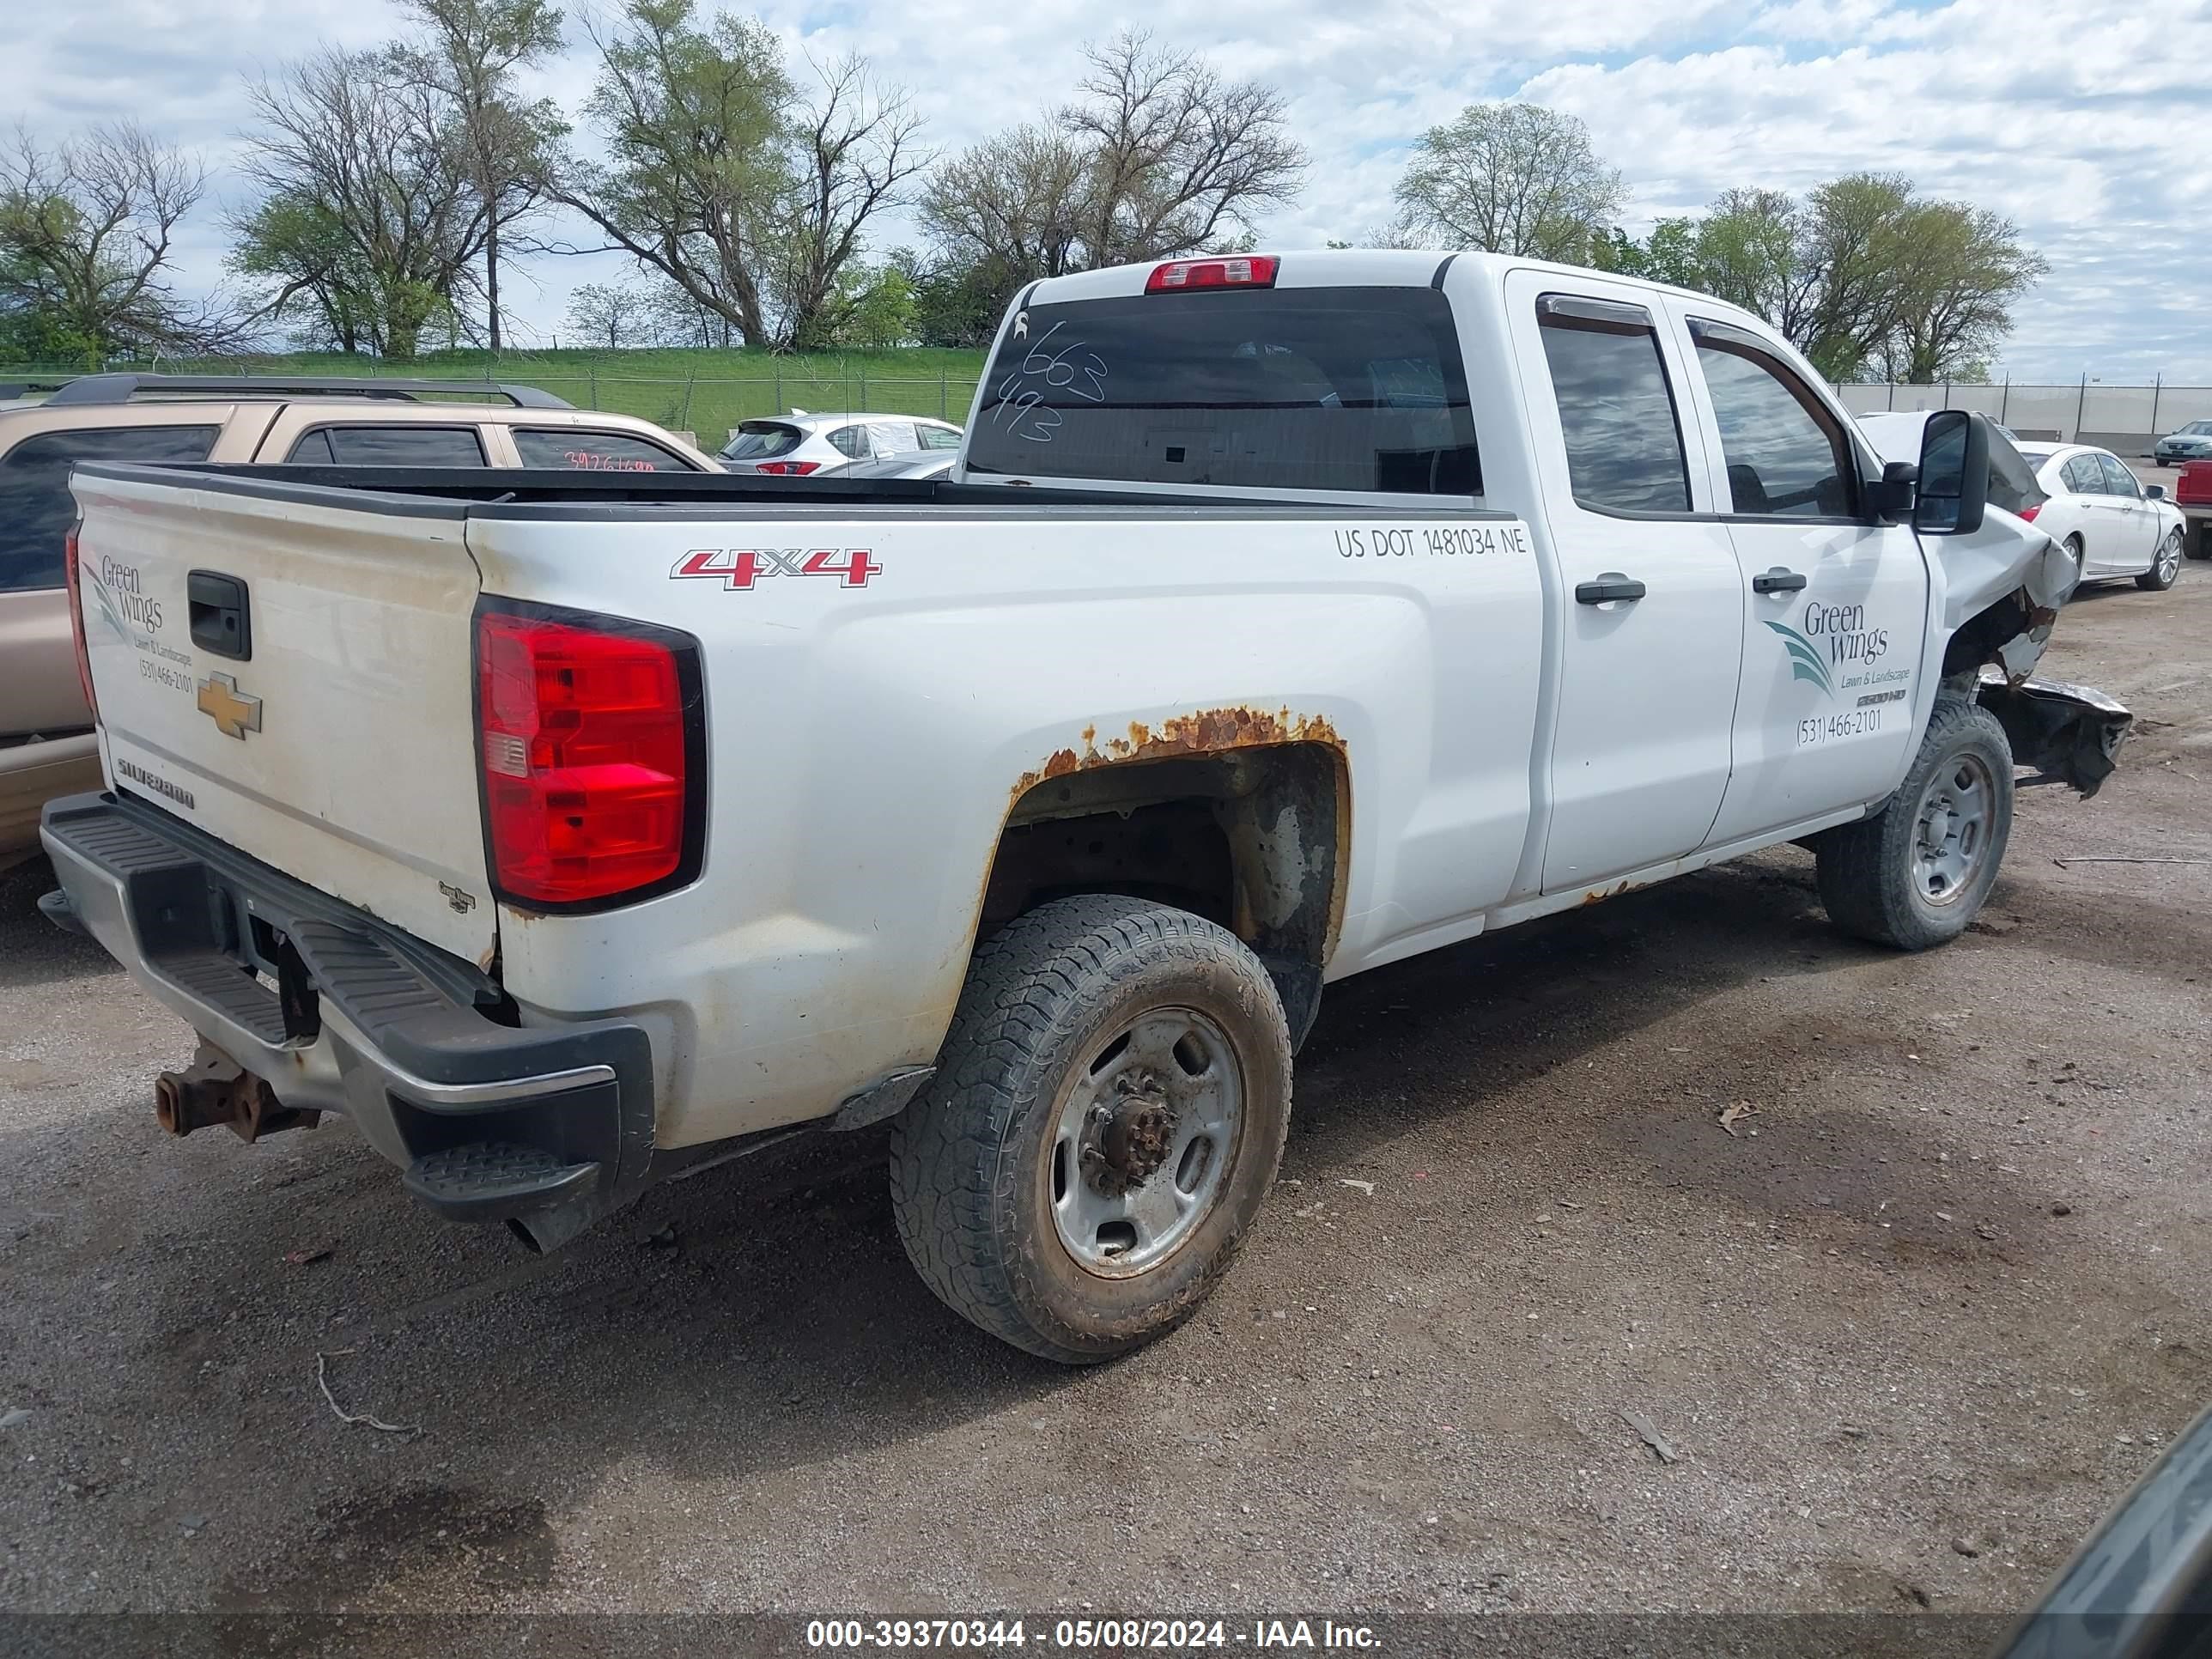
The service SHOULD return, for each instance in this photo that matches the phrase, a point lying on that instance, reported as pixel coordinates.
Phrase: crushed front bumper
(2070, 733)
(492, 1120)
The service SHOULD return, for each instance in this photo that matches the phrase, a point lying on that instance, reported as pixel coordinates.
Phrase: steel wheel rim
(1143, 1142)
(1952, 829)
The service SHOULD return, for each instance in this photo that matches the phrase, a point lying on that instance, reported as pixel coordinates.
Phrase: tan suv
(46, 745)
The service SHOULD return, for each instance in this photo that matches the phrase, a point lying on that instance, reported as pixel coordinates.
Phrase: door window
(2118, 481)
(1787, 453)
(2082, 476)
(36, 509)
(594, 452)
(1616, 410)
(893, 437)
(390, 446)
(851, 440)
(938, 437)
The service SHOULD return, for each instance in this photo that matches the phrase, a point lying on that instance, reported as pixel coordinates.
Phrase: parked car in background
(46, 746)
(2192, 442)
(2108, 521)
(803, 445)
(2192, 494)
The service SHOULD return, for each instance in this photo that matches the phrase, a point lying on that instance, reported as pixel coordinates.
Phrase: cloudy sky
(2085, 120)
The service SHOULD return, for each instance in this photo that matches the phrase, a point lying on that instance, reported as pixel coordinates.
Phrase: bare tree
(368, 212)
(1516, 178)
(856, 148)
(1160, 156)
(615, 314)
(1013, 203)
(698, 172)
(469, 52)
(87, 237)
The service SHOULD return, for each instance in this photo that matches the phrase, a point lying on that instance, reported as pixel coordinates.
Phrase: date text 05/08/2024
(1092, 1635)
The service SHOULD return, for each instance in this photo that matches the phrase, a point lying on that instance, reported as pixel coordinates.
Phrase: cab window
(1786, 455)
(36, 508)
(1616, 410)
(594, 452)
(390, 446)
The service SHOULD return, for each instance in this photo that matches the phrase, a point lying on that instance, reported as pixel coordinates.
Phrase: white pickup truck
(1284, 617)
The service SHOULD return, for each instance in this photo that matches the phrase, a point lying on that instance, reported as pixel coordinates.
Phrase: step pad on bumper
(487, 1179)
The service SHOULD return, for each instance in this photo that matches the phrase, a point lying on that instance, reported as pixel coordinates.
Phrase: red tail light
(76, 619)
(1245, 270)
(2029, 512)
(591, 754)
(789, 469)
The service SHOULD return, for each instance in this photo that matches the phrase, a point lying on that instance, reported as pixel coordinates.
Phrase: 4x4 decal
(741, 568)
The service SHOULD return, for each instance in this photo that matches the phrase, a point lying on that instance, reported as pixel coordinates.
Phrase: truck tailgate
(336, 739)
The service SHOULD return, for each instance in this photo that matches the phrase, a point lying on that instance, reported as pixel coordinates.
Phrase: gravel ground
(1911, 1329)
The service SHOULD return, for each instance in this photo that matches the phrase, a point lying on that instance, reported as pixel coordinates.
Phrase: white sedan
(2104, 516)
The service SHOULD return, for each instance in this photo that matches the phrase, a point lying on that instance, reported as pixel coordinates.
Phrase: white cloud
(2065, 118)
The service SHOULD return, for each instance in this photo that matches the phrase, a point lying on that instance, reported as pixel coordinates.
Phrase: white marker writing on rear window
(1075, 369)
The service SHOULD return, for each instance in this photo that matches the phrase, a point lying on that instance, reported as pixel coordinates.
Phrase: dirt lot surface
(1910, 1327)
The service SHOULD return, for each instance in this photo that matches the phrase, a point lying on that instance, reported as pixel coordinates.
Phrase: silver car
(2192, 442)
(800, 444)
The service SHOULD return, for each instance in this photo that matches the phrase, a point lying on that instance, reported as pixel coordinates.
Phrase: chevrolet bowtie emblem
(233, 715)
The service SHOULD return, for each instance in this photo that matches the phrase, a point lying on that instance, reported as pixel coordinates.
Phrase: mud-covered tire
(1878, 877)
(2164, 568)
(974, 1166)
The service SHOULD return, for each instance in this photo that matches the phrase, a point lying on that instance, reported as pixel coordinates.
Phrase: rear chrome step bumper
(493, 1121)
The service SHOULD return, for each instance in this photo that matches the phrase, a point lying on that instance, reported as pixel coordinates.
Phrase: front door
(1652, 594)
(1836, 602)
(2136, 540)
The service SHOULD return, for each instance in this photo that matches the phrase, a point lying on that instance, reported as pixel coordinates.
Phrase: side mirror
(1954, 474)
(2155, 492)
(1893, 496)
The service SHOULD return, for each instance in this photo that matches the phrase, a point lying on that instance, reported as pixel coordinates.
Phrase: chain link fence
(706, 407)
(2124, 419)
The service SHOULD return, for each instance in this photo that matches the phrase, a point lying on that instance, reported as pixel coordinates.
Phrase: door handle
(1607, 587)
(1778, 581)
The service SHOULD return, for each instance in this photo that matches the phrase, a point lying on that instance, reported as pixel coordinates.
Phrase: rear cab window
(1345, 389)
(36, 508)
(340, 445)
(594, 452)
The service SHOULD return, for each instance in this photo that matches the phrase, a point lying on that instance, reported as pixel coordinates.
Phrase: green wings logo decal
(1805, 662)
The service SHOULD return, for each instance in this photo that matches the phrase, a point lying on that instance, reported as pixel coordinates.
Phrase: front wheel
(1108, 1113)
(1916, 873)
(2160, 575)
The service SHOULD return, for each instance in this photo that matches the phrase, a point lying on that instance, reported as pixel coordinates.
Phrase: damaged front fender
(2068, 733)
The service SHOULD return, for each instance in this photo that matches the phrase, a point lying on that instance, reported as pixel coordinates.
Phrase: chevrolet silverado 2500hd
(1284, 617)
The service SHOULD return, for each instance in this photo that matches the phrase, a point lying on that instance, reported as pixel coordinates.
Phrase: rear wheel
(2160, 575)
(1916, 873)
(1108, 1109)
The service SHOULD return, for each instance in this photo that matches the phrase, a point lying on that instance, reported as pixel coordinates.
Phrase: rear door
(1653, 602)
(1834, 602)
(295, 678)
